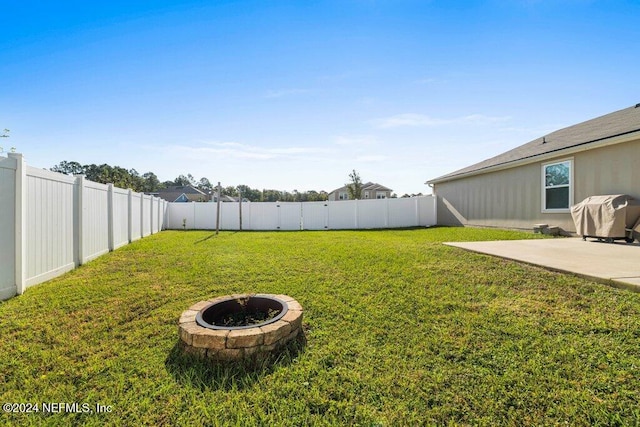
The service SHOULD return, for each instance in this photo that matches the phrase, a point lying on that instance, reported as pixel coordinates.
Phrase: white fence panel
(338, 215)
(343, 215)
(95, 220)
(7, 227)
(146, 215)
(315, 216)
(204, 215)
(48, 224)
(120, 217)
(262, 216)
(153, 215)
(427, 211)
(229, 215)
(403, 212)
(289, 215)
(136, 219)
(162, 208)
(372, 213)
(180, 215)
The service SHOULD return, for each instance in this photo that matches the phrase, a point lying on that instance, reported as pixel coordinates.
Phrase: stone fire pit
(215, 328)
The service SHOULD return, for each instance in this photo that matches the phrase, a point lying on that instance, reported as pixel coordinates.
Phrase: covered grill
(608, 218)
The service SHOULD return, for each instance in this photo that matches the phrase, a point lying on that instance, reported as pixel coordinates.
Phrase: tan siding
(608, 170)
(512, 197)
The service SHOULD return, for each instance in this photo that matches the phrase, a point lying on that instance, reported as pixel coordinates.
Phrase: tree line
(149, 183)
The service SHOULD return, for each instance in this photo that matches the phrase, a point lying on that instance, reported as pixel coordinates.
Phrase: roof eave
(627, 137)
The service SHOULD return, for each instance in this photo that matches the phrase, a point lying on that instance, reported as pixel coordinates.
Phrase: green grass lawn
(400, 329)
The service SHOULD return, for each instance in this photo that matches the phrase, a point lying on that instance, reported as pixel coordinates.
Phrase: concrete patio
(616, 264)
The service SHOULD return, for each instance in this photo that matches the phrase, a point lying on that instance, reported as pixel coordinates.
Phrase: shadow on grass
(212, 235)
(206, 374)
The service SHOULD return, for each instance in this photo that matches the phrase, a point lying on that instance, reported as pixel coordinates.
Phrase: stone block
(269, 348)
(274, 332)
(217, 299)
(285, 298)
(186, 331)
(199, 305)
(230, 354)
(240, 338)
(294, 333)
(188, 316)
(539, 228)
(250, 351)
(209, 338)
(195, 351)
(294, 317)
(294, 305)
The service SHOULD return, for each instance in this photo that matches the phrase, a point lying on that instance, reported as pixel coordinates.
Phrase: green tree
(150, 182)
(107, 174)
(271, 196)
(68, 168)
(354, 188)
(230, 191)
(182, 180)
(249, 193)
(205, 185)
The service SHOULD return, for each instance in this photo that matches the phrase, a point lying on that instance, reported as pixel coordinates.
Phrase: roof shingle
(610, 125)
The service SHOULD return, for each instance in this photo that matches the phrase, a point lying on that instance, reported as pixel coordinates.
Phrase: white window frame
(366, 194)
(544, 187)
(381, 194)
(343, 195)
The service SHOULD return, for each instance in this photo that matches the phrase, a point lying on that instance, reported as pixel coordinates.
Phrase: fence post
(20, 209)
(79, 223)
(217, 210)
(240, 210)
(110, 216)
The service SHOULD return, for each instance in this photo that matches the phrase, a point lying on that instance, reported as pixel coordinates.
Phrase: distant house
(183, 193)
(539, 181)
(370, 190)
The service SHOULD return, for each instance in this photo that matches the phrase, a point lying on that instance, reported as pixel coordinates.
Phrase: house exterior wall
(512, 198)
(373, 194)
(334, 196)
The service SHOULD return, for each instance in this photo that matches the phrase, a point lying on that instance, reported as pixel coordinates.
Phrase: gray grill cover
(606, 216)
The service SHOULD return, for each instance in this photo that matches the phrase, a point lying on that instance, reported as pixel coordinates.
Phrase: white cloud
(422, 120)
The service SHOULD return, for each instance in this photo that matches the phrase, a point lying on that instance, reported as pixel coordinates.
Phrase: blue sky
(295, 94)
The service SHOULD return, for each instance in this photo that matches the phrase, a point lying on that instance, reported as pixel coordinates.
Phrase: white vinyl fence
(335, 215)
(50, 223)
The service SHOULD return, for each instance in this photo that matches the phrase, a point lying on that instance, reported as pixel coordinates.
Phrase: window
(557, 186)
(381, 195)
(366, 194)
(344, 196)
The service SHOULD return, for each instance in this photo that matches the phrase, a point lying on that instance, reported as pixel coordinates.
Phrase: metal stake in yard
(218, 210)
